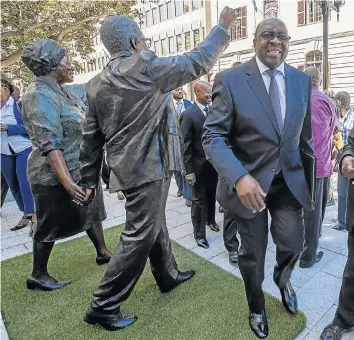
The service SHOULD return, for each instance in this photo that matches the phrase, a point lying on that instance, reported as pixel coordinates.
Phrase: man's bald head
(202, 90)
(315, 75)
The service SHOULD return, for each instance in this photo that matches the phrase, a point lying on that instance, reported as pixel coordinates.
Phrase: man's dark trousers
(345, 312)
(145, 236)
(287, 230)
(229, 233)
(203, 201)
(313, 223)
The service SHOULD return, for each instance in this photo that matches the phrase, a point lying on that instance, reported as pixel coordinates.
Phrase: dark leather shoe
(122, 321)
(333, 332)
(233, 256)
(188, 203)
(221, 209)
(179, 193)
(182, 277)
(213, 226)
(102, 259)
(289, 299)
(259, 324)
(202, 242)
(318, 258)
(35, 284)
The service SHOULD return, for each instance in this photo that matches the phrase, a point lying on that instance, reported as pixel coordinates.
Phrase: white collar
(201, 106)
(262, 68)
(10, 102)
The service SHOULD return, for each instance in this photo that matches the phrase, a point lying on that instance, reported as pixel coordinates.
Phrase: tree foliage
(72, 23)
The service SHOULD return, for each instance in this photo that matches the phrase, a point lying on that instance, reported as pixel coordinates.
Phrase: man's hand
(227, 17)
(88, 193)
(3, 127)
(191, 179)
(250, 193)
(348, 166)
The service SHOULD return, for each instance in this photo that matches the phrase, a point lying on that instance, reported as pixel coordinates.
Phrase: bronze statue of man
(128, 109)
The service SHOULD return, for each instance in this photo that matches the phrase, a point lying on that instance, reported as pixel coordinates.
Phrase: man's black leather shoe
(36, 284)
(213, 226)
(121, 322)
(182, 277)
(318, 258)
(333, 332)
(259, 324)
(233, 256)
(289, 299)
(202, 242)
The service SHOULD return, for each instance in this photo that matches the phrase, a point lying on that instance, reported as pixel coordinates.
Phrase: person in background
(179, 105)
(15, 149)
(323, 119)
(200, 173)
(231, 242)
(347, 123)
(344, 318)
(53, 118)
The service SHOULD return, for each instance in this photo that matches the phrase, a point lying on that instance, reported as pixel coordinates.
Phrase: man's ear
(134, 43)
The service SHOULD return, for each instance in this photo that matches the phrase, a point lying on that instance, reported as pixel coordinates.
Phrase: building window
(155, 16)
(187, 41)
(179, 42)
(239, 30)
(196, 37)
(196, 4)
(170, 10)
(164, 46)
(162, 12)
(157, 47)
(270, 8)
(178, 9)
(99, 63)
(186, 6)
(308, 12)
(148, 19)
(314, 58)
(171, 45)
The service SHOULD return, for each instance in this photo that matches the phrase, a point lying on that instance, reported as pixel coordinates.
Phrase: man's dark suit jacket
(128, 108)
(192, 121)
(349, 151)
(243, 118)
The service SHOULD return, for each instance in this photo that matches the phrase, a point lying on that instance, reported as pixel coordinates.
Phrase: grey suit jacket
(128, 109)
(241, 134)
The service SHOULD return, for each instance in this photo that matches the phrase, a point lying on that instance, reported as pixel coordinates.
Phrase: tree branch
(11, 34)
(11, 59)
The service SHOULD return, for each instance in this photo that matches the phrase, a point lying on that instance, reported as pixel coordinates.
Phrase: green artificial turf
(212, 306)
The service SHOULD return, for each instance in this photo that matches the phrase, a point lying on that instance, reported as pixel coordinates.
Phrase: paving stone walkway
(317, 288)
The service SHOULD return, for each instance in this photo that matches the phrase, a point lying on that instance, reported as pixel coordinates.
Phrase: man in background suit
(180, 105)
(262, 110)
(344, 318)
(200, 173)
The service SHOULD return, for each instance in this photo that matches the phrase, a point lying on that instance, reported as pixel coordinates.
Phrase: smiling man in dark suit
(261, 109)
(200, 173)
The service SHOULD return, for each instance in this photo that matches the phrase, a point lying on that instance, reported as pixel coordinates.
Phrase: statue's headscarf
(42, 56)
